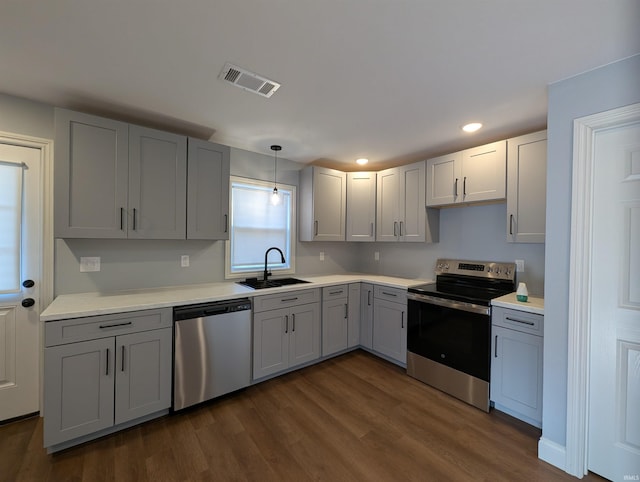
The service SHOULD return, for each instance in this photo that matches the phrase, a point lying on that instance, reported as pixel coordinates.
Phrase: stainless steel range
(449, 327)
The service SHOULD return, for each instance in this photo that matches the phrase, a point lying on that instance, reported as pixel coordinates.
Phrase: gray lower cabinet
(516, 364)
(340, 318)
(286, 331)
(366, 315)
(390, 323)
(104, 371)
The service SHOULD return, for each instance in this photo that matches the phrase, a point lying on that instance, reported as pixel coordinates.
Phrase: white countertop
(90, 304)
(532, 305)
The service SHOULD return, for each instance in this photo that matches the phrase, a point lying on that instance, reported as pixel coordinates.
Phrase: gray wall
(22, 116)
(606, 88)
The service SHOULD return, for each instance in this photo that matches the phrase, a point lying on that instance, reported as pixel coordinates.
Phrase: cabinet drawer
(518, 320)
(282, 300)
(92, 327)
(334, 292)
(397, 295)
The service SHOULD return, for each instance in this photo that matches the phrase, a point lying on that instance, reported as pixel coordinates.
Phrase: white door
(20, 261)
(614, 400)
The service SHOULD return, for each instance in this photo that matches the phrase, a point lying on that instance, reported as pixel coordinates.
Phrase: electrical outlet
(184, 260)
(520, 265)
(376, 256)
(321, 255)
(89, 264)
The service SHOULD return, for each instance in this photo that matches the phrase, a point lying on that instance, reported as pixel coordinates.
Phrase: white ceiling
(391, 80)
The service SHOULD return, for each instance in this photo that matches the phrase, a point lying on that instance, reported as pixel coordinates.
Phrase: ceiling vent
(248, 80)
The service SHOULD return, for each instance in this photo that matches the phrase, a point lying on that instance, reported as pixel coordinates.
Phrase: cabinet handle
(395, 228)
(401, 223)
(346, 310)
(389, 294)
(286, 324)
(134, 218)
(530, 323)
(293, 322)
(107, 371)
(226, 223)
(511, 224)
(335, 292)
(495, 351)
(402, 320)
(315, 228)
(288, 299)
(121, 219)
(464, 186)
(455, 188)
(123, 355)
(369, 297)
(372, 229)
(115, 325)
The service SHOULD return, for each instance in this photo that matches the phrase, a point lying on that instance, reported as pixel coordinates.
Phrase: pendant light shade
(275, 196)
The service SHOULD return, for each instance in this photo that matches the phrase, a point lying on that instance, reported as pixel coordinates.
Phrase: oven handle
(456, 305)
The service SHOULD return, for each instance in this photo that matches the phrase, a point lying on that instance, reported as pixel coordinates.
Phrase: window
(256, 225)
(10, 226)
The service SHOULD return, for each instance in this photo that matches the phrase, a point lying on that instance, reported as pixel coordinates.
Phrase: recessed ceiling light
(362, 161)
(474, 126)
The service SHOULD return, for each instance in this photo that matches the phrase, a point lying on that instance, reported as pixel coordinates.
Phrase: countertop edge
(533, 305)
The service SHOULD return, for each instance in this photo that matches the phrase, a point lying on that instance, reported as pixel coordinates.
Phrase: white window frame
(228, 274)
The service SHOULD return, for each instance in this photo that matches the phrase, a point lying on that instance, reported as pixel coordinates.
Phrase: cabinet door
(366, 315)
(412, 221)
(388, 205)
(207, 190)
(157, 184)
(361, 206)
(526, 188)
(353, 337)
(484, 172)
(443, 180)
(270, 342)
(90, 176)
(390, 329)
(78, 389)
(143, 374)
(335, 326)
(516, 373)
(329, 204)
(304, 334)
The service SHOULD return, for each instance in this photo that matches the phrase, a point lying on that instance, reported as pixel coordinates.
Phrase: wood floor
(351, 418)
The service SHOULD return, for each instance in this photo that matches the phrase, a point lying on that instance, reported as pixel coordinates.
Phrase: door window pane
(10, 226)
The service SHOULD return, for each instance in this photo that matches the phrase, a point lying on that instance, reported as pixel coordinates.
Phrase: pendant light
(275, 196)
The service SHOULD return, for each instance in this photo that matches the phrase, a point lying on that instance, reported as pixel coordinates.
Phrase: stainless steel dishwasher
(212, 350)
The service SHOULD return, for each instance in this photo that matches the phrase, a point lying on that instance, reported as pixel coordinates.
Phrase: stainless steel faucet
(266, 271)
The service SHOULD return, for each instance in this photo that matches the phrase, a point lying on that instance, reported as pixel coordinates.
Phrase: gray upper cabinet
(526, 188)
(207, 190)
(115, 180)
(157, 184)
(90, 176)
(361, 206)
(323, 200)
(472, 175)
(400, 200)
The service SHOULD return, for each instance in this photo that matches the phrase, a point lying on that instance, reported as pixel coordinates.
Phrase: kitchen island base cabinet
(287, 337)
(390, 324)
(94, 386)
(516, 364)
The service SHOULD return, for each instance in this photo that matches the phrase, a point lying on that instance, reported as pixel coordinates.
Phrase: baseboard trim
(552, 453)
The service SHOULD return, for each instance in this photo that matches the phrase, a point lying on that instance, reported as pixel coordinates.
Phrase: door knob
(28, 302)
(28, 283)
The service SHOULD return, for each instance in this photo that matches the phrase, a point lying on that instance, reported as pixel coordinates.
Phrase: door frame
(46, 274)
(579, 322)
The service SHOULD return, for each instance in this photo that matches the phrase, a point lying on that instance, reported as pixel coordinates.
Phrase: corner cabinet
(400, 201)
(526, 188)
(340, 318)
(472, 175)
(208, 169)
(390, 323)
(323, 203)
(286, 331)
(516, 363)
(103, 373)
(361, 206)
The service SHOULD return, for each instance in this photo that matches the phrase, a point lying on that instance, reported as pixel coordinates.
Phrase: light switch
(376, 256)
(89, 264)
(184, 260)
(520, 265)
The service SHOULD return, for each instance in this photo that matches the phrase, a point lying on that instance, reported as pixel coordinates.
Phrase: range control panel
(479, 269)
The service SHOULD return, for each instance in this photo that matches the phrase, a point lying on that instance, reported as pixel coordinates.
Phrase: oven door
(451, 333)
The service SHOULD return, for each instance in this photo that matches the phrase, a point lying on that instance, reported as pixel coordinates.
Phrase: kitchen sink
(257, 284)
